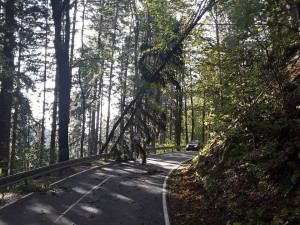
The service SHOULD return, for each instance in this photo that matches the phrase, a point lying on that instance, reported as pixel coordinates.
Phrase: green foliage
(248, 107)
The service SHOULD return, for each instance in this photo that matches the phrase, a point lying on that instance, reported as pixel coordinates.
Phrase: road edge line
(165, 192)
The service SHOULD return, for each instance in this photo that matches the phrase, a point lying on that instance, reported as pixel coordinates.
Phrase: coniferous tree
(61, 13)
(7, 80)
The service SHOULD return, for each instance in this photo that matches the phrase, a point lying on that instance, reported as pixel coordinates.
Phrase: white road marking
(68, 209)
(10, 203)
(31, 193)
(73, 175)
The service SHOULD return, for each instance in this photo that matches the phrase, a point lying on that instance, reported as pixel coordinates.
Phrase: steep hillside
(247, 179)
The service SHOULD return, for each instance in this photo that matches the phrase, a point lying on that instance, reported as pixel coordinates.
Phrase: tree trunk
(7, 85)
(157, 72)
(101, 124)
(44, 97)
(136, 42)
(83, 97)
(136, 100)
(54, 117)
(101, 108)
(171, 122)
(111, 71)
(123, 81)
(27, 161)
(100, 88)
(93, 144)
(203, 119)
(61, 44)
(186, 120)
(14, 140)
(294, 9)
(73, 36)
(16, 112)
(192, 109)
(83, 106)
(89, 130)
(219, 55)
(97, 123)
(178, 127)
(193, 119)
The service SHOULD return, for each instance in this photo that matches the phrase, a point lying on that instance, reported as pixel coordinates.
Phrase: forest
(86, 77)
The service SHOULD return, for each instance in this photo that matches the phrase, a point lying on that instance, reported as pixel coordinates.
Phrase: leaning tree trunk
(203, 9)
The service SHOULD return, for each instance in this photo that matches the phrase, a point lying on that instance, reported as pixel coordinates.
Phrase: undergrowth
(250, 185)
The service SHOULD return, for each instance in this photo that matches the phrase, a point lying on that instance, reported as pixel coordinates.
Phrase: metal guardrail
(24, 176)
(164, 148)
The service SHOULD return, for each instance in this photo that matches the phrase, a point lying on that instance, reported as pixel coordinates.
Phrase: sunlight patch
(91, 209)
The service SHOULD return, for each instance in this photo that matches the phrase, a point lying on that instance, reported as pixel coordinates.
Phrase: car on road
(193, 145)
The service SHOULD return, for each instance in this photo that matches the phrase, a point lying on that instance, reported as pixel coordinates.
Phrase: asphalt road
(126, 193)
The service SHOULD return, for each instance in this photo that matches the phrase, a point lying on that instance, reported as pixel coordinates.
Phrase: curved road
(125, 193)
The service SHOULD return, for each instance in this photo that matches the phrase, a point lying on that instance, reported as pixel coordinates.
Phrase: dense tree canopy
(123, 75)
